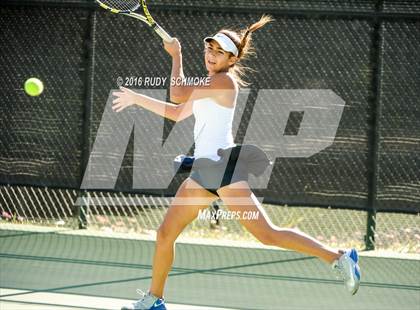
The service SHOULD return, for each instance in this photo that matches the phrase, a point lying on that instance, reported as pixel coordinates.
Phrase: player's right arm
(126, 97)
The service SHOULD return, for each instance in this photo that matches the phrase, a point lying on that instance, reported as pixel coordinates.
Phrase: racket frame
(148, 19)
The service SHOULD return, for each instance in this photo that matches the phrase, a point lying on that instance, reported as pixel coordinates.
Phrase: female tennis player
(213, 106)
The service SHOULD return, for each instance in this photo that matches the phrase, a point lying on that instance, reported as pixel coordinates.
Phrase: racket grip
(162, 33)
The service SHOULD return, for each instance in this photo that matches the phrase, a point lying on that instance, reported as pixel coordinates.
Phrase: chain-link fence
(366, 52)
(141, 215)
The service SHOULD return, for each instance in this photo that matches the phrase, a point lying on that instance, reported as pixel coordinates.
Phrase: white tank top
(212, 129)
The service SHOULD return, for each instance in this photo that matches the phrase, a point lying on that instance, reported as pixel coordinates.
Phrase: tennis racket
(129, 8)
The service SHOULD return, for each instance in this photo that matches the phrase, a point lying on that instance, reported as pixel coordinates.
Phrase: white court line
(28, 300)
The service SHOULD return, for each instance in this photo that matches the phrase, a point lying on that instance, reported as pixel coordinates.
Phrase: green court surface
(67, 270)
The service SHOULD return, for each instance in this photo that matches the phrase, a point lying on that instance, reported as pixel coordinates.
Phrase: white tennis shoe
(147, 302)
(348, 268)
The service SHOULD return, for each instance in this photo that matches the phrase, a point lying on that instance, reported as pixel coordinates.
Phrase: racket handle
(162, 33)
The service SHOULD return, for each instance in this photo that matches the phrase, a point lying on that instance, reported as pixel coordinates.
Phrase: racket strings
(122, 5)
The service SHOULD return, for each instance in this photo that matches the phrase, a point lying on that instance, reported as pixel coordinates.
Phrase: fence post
(89, 54)
(370, 230)
(377, 40)
(82, 210)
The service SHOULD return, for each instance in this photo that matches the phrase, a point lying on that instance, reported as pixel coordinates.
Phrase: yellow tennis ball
(34, 87)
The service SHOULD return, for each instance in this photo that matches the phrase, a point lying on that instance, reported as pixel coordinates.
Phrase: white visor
(225, 43)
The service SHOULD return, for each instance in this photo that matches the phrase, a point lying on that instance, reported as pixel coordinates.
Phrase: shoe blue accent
(357, 272)
(354, 255)
(158, 305)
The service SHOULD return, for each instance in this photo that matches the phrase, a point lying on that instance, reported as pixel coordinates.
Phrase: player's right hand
(125, 98)
(173, 48)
